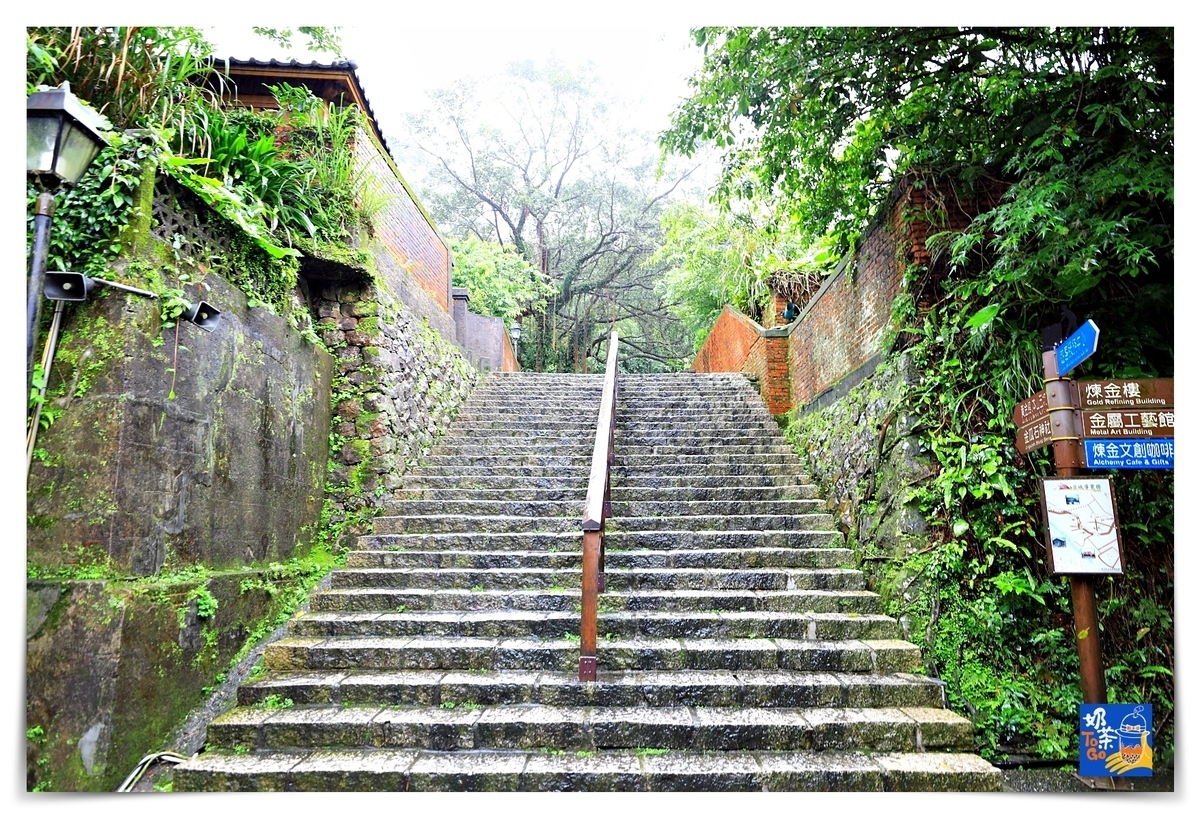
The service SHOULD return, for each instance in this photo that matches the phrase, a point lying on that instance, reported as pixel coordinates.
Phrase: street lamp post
(62, 139)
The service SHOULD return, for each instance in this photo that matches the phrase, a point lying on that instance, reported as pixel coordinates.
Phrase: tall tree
(535, 160)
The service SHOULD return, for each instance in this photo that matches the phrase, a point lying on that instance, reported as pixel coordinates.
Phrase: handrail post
(597, 509)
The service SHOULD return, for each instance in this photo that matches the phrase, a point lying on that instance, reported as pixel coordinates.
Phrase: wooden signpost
(1119, 423)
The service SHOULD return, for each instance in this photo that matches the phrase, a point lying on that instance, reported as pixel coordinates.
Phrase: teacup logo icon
(1130, 735)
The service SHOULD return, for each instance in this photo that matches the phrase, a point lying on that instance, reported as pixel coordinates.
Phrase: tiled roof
(348, 68)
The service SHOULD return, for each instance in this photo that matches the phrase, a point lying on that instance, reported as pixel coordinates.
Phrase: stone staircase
(738, 648)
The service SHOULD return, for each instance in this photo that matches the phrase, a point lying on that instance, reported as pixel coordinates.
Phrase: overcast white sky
(645, 65)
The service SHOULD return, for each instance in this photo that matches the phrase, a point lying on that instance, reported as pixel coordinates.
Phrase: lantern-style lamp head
(62, 136)
(515, 332)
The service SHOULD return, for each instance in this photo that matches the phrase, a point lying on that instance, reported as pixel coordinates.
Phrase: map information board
(1082, 535)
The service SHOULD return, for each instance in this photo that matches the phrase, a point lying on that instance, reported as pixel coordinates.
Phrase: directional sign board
(1128, 423)
(1144, 393)
(1138, 453)
(1035, 407)
(1035, 435)
(1078, 348)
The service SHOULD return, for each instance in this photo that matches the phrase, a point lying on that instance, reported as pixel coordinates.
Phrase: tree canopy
(536, 161)
(1079, 121)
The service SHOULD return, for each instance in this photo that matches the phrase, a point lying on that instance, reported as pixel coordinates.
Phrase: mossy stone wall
(867, 457)
(220, 462)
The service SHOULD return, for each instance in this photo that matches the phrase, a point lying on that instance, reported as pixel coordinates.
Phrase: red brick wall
(754, 366)
(508, 359)
(844, 324)
(728, 343)
(776, 387)
(842, 327)
(846, 321)
(403, 228)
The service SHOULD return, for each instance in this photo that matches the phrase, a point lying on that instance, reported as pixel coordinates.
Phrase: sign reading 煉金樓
(1144, 393)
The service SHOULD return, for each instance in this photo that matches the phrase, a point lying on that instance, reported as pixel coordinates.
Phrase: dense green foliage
(136, 76)
(281, 180)
(714, 259)
(499, 281)
(1064, 141)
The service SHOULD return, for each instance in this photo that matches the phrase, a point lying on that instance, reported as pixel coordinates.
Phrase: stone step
(697, 472)
(516, 653)
(620, 508)
(480, 524)
(501, 523)
(578, 447)
(619, 624)
(693, 688)
(580, 468)
(617, 579)
(567, 599)
(723, 558)
(508, 508)
(570, 406)
(630, 508)
(622, 494)
(501, 475)
(734, 450)
(701, 436)
(510, 427)
(614, 541)
(527, 727)
(724, 522)
(653, 405)
(626, 492)
(423, 480)
(554, 493)
(712, 480)
(623, 460)
(651, 770)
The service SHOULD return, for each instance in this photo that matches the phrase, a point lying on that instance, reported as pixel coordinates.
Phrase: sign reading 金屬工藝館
(1144, 453)
(1127, 423)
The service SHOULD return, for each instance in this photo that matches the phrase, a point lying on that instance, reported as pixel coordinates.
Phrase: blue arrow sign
(1136, 453)
(1078, 348)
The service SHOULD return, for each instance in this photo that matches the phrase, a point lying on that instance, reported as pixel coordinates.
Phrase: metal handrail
(597, 508)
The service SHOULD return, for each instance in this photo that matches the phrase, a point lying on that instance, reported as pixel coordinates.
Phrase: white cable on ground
(143, 765)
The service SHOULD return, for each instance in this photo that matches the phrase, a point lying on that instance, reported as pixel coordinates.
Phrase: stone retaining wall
(397, 385)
